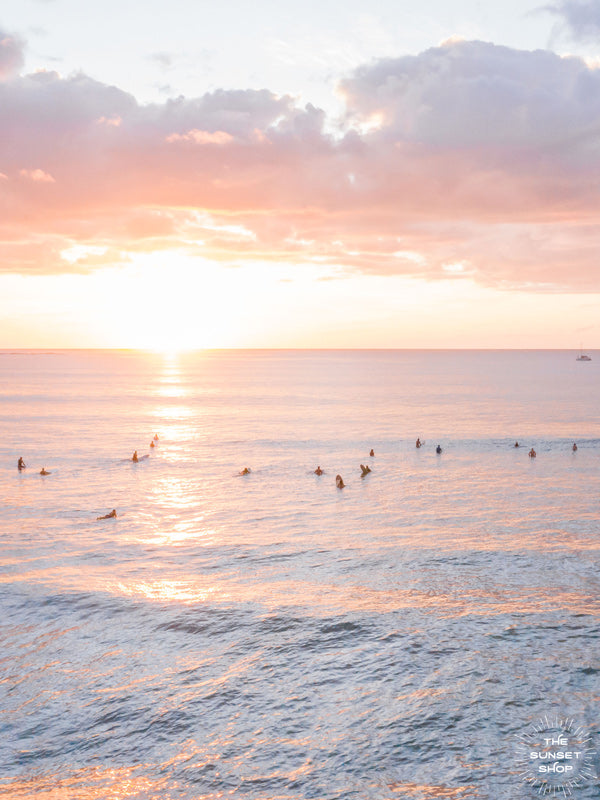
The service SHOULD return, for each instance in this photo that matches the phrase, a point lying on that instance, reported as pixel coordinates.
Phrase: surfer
(112, 514)
(246, 471)
(372, 453)
(156, 437)
(44, 471)
(339, 482)
(151, 444)
(134, 457)
(438, 449)
(574, 448)
(318, 471)
(532, 453)
(418, 443)
(517, 444)
(21, 464)
(365, 470)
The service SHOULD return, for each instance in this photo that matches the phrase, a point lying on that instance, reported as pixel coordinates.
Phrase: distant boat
(582, 356)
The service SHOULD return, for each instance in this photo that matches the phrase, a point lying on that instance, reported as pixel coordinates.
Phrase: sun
(168, 304)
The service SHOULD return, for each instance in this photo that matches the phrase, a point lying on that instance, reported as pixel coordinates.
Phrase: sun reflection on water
(424, 792)
(83, 784)
(175, 493)
(177, 504)
(182, 532)
(170, 382)
(165, 591)
(174, 417)
(169, 413)
(171, 388)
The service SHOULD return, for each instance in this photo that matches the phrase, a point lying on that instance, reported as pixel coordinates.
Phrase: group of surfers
(533, 454)
(21, 465)
(365, 469)
(135, 458)
(339, 481)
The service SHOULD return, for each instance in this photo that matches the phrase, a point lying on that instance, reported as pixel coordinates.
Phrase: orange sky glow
(452, 203)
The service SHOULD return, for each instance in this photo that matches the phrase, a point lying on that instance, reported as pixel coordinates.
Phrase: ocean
(269, 636)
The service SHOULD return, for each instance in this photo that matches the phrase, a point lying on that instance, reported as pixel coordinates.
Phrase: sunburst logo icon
(556, 756)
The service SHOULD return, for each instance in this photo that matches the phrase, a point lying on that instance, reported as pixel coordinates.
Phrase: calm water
(271, 637)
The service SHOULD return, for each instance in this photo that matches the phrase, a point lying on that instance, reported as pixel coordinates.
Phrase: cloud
(164, 60)
(201, 137)
(37, 175)
(114, 121)
(476, 95)
(467, 154)
(580, 18)
(11, 54)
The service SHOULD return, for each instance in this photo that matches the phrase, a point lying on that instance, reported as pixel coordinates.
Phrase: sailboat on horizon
(582, 356)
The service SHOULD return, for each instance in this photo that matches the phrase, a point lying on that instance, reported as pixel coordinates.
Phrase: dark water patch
(444, 651)
(280, 623)
(35, 600)
(184, 627)
(165, 726)
(122, 712)
(537, 631)
(335, 634)
(343, 627)
(208, 621)
(275, 557)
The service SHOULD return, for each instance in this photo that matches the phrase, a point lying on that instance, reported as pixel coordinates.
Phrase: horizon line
(186, 351)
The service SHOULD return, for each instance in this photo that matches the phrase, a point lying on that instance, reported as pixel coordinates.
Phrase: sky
(299, 174)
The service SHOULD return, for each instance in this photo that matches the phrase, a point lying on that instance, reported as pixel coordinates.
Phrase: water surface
(268, 636)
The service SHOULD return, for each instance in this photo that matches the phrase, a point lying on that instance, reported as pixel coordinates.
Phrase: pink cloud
(36, 175)
(466, 154)
(112, 121)
(11, 55)
(201, 137)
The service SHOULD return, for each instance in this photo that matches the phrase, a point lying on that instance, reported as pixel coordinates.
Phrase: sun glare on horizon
(169, 304)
